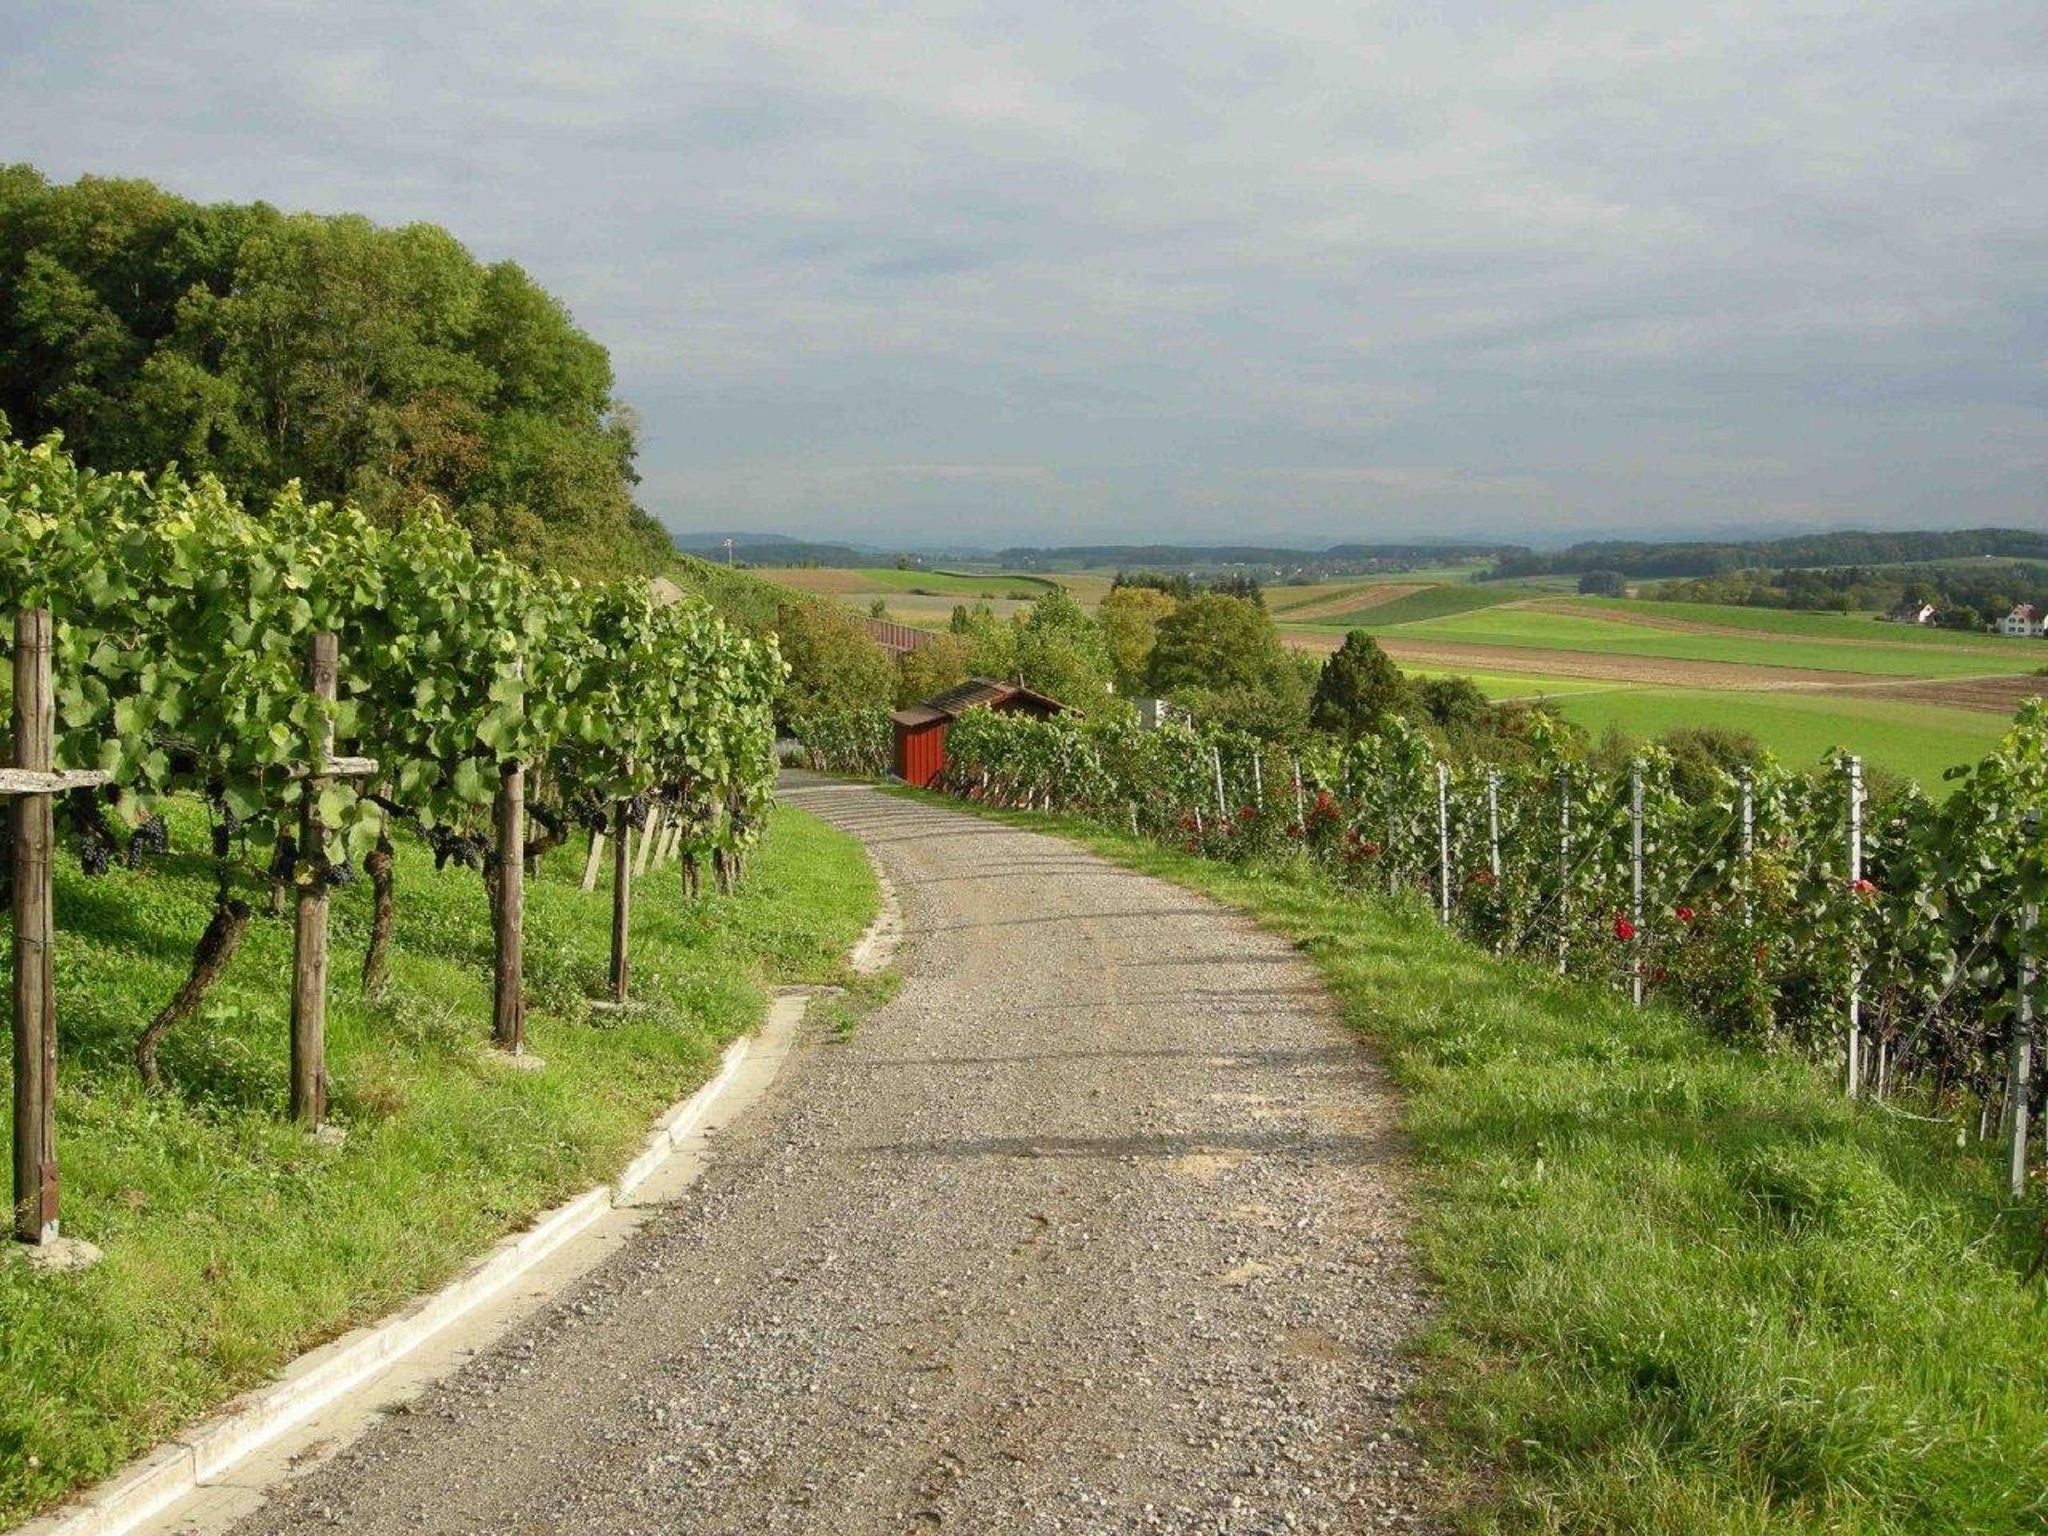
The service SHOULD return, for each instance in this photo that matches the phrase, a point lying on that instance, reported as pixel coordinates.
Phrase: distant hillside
(1259, 557)
(1848, 548)
(774, 549)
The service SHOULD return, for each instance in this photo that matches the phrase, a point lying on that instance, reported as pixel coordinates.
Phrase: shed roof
(976, 691)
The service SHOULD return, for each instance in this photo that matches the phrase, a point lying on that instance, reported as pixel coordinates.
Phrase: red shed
(921, 729)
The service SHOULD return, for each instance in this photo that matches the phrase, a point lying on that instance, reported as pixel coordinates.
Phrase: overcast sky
(1071, 272)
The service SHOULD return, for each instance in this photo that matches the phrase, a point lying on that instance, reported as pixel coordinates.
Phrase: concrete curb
(208, 1451)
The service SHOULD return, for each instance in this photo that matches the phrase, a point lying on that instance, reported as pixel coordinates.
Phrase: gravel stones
(1095, 1228)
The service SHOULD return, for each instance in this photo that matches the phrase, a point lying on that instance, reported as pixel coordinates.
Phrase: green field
(1829, 626)
(1545, 629)
(233, 1240)
(962, 583)
(1429, 603)
(1521, 685)
(1919, 741)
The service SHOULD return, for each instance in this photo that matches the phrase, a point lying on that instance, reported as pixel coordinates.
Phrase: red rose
(1864, 888)
(1685, 914)
(1624, 929)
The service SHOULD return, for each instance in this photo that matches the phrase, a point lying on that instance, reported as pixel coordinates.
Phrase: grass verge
(1683, 1287)
(232, 1242)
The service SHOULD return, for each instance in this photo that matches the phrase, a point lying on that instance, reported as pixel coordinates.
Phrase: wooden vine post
(1443, 843)
(309, 927)
(31, 784)
(622, 898)
(508, 1001)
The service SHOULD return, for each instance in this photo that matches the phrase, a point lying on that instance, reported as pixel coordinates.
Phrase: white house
(2023, 623)
(1911, 613)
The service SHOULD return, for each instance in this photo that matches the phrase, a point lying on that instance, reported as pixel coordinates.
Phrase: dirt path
(1095, 1228)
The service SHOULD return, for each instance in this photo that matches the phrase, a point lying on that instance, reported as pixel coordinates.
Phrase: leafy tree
(932, 668)
(1359, 687)
(833, 665)
(1453, 704)
(1177, 586)
(1130, 617)
(1222, 658)
(381, 366)
(1603, 584)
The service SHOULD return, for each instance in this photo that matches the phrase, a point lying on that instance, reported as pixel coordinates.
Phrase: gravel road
(1096, 1227)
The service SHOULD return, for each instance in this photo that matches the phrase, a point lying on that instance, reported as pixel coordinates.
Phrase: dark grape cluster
(636, 812)
(343, 873)
(464, 850)
(95, 843)
(151, 839)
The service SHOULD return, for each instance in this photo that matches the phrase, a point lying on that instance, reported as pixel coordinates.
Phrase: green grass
(1681, 1287)
(1819, 626)
(963, 584)
(1520, 685)
(1430, 603)
(1919, 741)
(1544, 629)
(233, 1242)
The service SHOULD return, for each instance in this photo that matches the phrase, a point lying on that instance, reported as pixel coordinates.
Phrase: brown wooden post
(508, 1012)
(35, 1005)
(622, 898)
(309, 939)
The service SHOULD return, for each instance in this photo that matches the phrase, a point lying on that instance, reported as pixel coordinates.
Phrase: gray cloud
(1288, 270)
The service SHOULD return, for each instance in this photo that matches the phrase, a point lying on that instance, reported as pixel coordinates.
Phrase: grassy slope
(1682, 1287)
(1544, 630)
(993, 584)
(232, 1242)
(1829, 626)
(1430, 603)
(1918, 740)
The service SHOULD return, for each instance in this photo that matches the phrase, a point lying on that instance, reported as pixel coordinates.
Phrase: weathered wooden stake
(508, 1002)
(622, 898)
(309, 931)
(649, 835)
(1564, 868)
(1300, 800)
(35, 998)
(1258, 783)
(1493, 821)
(1747, 779)
(1443, 843)
(594, 862)
(1635, 896)
(1855, 1051)
(1222, 805)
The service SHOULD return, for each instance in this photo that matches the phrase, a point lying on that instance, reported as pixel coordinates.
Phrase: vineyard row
(314, 678)
(1792, 908)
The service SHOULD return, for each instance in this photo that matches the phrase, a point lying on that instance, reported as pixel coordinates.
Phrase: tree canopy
(376, 365)
(1222, 658)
